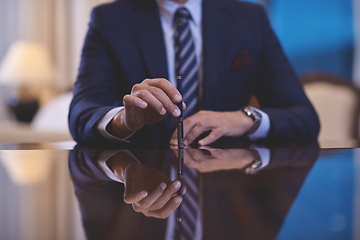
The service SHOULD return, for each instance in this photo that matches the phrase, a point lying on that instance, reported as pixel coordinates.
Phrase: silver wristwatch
(255, 116)
(254, 166)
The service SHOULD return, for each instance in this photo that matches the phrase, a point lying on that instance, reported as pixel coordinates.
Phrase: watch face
(255, 116)
(252, 113)
(253, 166)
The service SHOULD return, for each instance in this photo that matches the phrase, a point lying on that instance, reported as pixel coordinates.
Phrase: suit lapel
(212, 46)
(152, 46)
(151, 43)
(150, 38)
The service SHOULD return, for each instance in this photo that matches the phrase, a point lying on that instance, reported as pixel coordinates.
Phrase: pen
(180, 129)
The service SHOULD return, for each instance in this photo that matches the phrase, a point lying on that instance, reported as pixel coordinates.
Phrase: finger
(184, 105)
(132, 198)
(212, 137)
(174, 138)
(174, 148)
(167, 209)
(150, 198)
(133, 101)
(202, 162)
(207, 148)
(164, 99)
(189, 124)
(133, 193)
(214, 152)
(184, 189)
(151, 101)
(166, 196)
(195, 132)
(189, 159)
(198, 156)
(167, 87)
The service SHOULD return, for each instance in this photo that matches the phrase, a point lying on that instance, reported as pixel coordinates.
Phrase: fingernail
(176, 112)
(163, 186)
(177, 98)
(201, 142)
(177, 199)
(143, 194)
(162, 111)
(186, 142)
(143, 104)
(177, 184)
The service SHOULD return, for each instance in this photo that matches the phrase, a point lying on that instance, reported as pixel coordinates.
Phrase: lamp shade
(26, 63)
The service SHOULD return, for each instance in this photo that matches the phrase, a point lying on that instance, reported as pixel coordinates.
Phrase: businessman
(225, 51)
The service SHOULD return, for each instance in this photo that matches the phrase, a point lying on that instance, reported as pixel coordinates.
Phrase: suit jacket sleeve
(112, 61)
(97, 88)
(281, 95)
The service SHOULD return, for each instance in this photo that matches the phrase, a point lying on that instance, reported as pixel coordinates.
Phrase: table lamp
(25, 67)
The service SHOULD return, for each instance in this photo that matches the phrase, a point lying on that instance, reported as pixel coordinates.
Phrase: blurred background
(317, 35)
(41, 40)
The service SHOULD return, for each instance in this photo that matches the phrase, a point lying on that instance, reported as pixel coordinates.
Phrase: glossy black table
(304, 192)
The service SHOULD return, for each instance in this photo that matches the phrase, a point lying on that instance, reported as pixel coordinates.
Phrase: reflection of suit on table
(255, 206)
(241, 57)
(104, 213)
(235, 205)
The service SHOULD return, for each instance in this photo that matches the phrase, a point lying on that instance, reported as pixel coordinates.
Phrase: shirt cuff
(264, 154)
(263, 129)
(105, 121)
(104, 156)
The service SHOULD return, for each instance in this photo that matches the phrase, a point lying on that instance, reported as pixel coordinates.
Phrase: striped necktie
(190, 207)
(186, 65)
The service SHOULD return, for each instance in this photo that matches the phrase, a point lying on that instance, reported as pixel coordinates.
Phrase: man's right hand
(149, 102)
(150, 191)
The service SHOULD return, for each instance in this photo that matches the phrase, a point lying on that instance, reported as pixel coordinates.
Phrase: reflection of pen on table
(180, 146)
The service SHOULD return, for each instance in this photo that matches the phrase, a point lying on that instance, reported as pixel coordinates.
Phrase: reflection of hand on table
(148, 190)
(206, 159)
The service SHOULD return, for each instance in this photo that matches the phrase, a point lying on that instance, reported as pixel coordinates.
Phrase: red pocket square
(241, 60)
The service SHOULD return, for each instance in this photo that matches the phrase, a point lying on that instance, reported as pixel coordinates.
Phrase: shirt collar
(167, 9)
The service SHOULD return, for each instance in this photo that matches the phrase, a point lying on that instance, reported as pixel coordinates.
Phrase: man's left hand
(206, 159)
(221, 124)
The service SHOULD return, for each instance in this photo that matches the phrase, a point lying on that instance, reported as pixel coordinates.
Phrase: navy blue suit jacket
(241, 57)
